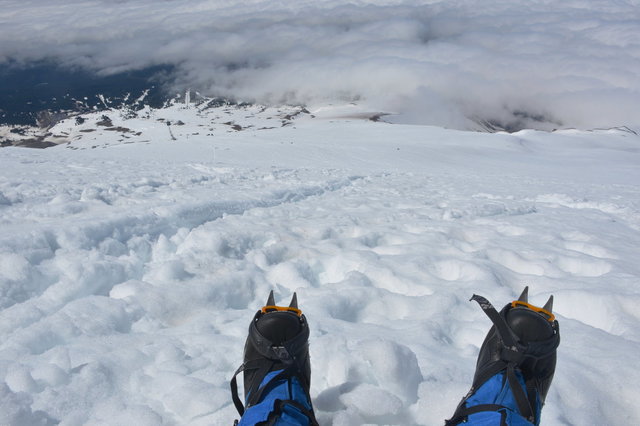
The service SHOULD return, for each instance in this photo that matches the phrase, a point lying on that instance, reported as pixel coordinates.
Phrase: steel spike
(524, 297)
(270, 299)
(549, 305)
(294, 301)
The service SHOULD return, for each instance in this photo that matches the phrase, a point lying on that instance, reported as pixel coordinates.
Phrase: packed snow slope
(131, 268)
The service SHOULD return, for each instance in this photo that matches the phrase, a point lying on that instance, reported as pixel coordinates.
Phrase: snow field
(129, 274)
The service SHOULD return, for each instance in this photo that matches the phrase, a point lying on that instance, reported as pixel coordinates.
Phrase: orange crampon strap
(273, 308)
(547, 314)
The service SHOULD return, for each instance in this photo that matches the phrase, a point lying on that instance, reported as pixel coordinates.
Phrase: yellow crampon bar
(547, 314)
(273, 308)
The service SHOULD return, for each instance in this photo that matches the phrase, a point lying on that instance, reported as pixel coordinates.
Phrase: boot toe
(528, 325)
(279, 327)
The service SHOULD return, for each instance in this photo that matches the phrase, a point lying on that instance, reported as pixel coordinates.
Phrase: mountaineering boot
(277, 369)
(515, 365)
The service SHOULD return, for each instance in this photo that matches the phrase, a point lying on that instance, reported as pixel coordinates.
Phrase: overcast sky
(571, 62)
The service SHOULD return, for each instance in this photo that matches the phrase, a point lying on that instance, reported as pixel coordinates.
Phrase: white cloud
(573, 63)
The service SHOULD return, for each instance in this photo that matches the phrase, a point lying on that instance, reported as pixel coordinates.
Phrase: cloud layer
(519, 63)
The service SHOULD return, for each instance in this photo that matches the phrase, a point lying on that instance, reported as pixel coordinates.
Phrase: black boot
(276, 352)
(522, 342)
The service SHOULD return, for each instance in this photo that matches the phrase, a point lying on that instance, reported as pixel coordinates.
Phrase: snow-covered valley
(130, 267)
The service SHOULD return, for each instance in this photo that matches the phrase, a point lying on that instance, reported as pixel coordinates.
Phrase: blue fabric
(287, 389)
(497, 390)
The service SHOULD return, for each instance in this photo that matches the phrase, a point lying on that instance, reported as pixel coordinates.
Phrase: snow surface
(130, 267)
